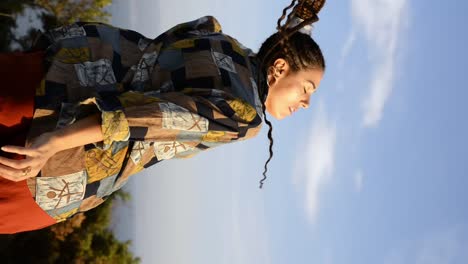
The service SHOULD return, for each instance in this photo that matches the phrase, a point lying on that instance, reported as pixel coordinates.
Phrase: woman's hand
(37, 154)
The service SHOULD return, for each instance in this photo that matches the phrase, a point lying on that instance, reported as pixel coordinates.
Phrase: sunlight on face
(290, 90)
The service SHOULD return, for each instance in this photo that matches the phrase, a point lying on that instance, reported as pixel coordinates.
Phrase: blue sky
(376, 172)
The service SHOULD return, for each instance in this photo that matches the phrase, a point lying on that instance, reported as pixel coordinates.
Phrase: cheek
(285, 88)
(283, 100)
(284, 95)
(289, 94)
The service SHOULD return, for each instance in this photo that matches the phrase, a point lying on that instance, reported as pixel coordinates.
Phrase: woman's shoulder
(201, 26)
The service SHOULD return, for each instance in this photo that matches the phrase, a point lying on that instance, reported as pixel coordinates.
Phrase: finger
(16, 164)
(7, 177)
(9, 173)
(14, 174)
(17, 149)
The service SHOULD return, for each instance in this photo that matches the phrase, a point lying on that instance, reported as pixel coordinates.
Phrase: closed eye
(313, 85)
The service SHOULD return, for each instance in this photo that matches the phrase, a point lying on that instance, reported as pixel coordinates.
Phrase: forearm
(84, 131)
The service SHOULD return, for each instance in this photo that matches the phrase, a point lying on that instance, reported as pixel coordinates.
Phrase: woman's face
(288, 91)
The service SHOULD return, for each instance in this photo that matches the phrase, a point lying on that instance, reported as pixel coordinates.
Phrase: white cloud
(320, 161)
(381, 23)
(358, 181)
(347, 47)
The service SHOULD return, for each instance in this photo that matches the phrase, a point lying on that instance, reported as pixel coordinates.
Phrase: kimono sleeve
(202, 25)
(181, 124)
(206, 23)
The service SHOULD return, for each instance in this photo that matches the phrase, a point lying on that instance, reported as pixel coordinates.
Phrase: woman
(113, 102)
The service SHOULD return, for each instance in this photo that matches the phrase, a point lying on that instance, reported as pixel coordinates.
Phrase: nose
(305, 103)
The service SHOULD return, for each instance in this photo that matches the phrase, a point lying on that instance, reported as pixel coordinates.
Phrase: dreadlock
(298, 49)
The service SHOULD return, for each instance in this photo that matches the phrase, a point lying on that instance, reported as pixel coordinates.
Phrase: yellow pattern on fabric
(213, 136)
(40, 89)
(101, 163)
(187, 90)
(183, 44)
(73, 55)
(243, 109)
(114, 127)
(236, 47)
(138, 167)
(64, 216)
(136, 99)
(217, 26)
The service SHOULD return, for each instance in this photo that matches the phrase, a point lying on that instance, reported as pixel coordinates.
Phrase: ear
(281, 66)
(277, 70)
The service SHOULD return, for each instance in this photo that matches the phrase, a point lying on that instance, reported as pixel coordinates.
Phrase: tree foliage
(85, 238)
(69, 11)
(52, 13)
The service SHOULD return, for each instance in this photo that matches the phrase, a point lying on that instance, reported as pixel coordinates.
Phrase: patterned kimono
(190, 89)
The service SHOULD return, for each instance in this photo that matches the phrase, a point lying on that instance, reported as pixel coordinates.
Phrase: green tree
(53, 13)
(69, 11)
(85, 238)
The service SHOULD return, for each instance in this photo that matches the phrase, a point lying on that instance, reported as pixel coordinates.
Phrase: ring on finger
(26, 171)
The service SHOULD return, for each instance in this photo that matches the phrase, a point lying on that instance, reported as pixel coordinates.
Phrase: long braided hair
(298, 49)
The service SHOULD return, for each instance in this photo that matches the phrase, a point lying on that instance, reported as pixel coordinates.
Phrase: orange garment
(20, 74)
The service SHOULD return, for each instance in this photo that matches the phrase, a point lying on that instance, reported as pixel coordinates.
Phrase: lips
(292, 110)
